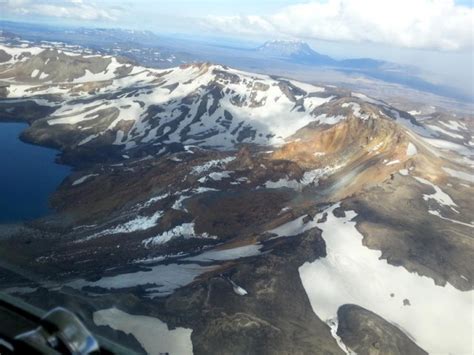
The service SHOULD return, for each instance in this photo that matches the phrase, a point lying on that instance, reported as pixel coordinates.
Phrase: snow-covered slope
(45, 65)
(124, 105)
(103, 101)
(202, 104)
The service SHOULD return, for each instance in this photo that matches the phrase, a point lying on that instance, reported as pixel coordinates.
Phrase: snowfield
(439, 318)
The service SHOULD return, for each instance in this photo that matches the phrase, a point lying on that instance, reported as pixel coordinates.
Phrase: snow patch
(218, 163)
(83, 179)
(329, 120)
(310, 177)
(154, 335)
(178, 204)
(185, 230)
(367, 99)
(438, 214)
(217, 176)
(283, 183)
(227, 254)
(140, 223)
(308, 88)
(237, 289)
(439, 195)
(411, 150)
(333, 325)
(356, 110)
(157, 281)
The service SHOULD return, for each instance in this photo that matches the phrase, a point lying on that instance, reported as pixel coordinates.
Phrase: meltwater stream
(28, 176)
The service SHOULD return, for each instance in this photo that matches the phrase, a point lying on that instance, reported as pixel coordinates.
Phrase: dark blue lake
(28, 176)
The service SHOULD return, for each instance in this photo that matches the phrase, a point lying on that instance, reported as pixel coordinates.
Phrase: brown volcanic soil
(361, 149)
(275, 317)
(351, 139)
(236, 213)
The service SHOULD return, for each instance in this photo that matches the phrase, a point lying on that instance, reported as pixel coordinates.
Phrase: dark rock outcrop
(366, 333)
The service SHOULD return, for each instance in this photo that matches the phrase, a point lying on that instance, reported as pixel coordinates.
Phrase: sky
(437, 35)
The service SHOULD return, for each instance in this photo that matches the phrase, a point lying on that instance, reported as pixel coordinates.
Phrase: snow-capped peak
(285, 48)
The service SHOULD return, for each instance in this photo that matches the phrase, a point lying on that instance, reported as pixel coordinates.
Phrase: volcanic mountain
(300, 52)
(294, 50)
(263, 214)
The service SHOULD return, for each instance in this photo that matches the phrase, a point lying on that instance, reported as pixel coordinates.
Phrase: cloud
(66, 9)
(425, 24)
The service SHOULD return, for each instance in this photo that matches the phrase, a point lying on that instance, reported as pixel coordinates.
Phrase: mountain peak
(293, 49)
(285, 47)
(286, 42)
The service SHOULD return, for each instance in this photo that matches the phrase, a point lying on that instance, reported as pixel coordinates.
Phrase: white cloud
(427, 24)
(66, 9)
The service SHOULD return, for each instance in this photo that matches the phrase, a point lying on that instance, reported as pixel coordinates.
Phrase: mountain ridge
(165, 51)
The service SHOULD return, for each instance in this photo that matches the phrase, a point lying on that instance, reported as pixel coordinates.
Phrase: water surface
(28, 176)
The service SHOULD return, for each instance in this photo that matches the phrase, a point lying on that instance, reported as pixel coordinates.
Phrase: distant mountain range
(272, 57)
(299, 52)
